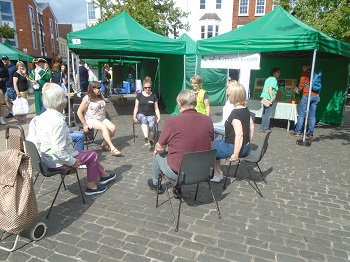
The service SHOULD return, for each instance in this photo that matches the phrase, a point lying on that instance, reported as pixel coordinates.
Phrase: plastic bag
(20, 106)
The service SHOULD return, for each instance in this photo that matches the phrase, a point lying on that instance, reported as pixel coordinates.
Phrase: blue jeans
(312, 114)
(160, 164)
(219, 128)
(265, 118)
(78, 139)
(225, 150)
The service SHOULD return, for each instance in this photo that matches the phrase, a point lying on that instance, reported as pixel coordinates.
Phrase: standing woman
(239, 130)
(106, 79)
(203, 105)
(4, 77)
(146, 111)
(20, 80)
(92, 113)
(269, 92)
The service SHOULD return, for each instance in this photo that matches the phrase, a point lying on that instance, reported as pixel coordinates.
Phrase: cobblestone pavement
(303, 216)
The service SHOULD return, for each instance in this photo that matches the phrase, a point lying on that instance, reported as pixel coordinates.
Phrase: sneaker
(311, 136)
(2, 121)
(105, 180)
(97, 190)
(82, 167)
(154, 187)
(264, 131)
(146, 141)
(295, 134)
(151, 143)
(177, 192)
(217, 177)
(10, 115)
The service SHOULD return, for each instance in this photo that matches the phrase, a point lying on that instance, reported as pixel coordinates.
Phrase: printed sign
(76, 41)
(234, 61)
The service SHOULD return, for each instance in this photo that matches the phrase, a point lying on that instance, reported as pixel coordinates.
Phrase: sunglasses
(97, 87)
(147, 87)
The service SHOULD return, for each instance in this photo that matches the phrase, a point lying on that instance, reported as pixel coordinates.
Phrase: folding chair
(195, 167)
(91, 135)
(155, 131)
(39, 167)
(254, 157)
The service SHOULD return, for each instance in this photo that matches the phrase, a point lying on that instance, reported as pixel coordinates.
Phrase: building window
(33, 28)
(202, 32)
(243, 7)
(210, 31)
(218, 4)
(216, 30)
(6, 11)
(202, 4)
(56, 24)
(91, 11)
(260, 7)
(52, 37)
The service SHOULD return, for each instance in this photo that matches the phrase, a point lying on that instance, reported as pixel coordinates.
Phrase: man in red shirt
(187, 132)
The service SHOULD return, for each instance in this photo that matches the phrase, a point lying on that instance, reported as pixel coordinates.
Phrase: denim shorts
(225, 150)
(11, 93)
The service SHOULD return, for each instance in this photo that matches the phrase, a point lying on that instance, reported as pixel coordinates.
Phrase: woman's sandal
(116, 152)
(105, 146)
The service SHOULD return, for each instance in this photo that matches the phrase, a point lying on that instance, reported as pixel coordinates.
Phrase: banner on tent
(234, 61)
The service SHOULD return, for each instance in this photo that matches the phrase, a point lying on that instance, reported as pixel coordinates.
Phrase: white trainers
(217, 177)
(2, 121)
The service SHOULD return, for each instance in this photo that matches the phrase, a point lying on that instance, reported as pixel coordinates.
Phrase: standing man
(39, 76)
(189, 131)
(315, 98)
(83, 77)
(4, 77)
(10, 94)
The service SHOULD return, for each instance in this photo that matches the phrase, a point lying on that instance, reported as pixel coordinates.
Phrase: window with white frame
(7, 17)
(202, 32)
(32, 27)
(52, 36)
(91, 11)
(243, 7)
(210, 31)
(260, 7)
(202, 4)
(218, 4)
(216, 30)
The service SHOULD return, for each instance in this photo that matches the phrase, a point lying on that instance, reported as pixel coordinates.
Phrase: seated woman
(145, 111)
(92, 113)
(239, 130)
(219, 127)
(56, 147)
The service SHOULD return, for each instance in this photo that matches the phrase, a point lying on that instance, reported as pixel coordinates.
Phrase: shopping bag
(20, 106)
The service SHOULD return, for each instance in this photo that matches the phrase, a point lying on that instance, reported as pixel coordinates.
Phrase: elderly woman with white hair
(56, 147)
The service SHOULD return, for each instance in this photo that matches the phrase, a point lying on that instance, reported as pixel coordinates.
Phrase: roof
(273, 32)
(64, 29)
(210, 16)
(121, 35)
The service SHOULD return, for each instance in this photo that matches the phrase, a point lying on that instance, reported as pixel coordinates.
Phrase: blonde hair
(19, 63)
(237, 94)
(198, 80)
(231, 82)
(147, 80)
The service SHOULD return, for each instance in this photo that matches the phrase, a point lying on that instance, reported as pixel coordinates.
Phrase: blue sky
(69, 12)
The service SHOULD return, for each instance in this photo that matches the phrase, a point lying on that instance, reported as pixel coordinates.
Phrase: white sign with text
(234, 61)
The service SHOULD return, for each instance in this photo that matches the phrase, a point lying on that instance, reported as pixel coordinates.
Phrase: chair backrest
(265, 145)
(196, 167)
(32, 151)
(14, 140)
(76, 118)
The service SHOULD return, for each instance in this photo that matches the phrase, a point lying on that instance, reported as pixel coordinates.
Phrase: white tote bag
(20, 106)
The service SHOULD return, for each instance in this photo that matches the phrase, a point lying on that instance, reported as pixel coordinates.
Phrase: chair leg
(228, 172)
(262, 175)
(36, 177)
(256, 188)
(64, 185)
(81, 190)
(158, 186)
(215, 201)
(53, 202)
(195, 196)
(86, 141)
(133, 131)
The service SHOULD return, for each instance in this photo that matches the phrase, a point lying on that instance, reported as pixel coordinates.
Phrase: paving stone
(16, 257)
(159, 255)
(135, 248)
(86, 255)
(282, 257)
(235, 256)
(312, 255)
(184, 253)
(261, 253)
(38, 251)
(135, 258)
(60, 258)
(110, 252)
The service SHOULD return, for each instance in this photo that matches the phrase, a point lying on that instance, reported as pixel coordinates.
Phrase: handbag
(265, 102)
(20, 106)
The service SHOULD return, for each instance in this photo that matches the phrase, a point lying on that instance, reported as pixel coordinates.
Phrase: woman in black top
(145, 111)
(20, 80)
(239, 130)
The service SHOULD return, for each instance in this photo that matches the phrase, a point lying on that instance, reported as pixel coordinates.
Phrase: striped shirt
(187, 132)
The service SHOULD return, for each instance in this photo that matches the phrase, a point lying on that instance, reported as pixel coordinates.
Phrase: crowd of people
(191, 130)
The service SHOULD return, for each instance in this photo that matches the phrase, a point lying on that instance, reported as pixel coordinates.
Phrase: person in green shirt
(39, 76)
(269, 92)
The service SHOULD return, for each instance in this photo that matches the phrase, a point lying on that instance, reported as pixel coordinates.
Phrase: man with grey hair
(187, 132)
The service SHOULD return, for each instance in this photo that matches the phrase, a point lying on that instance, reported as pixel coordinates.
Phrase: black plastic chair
(155, 131)
(91, 135)
(39, 167)
(254, 157)
(195, 167)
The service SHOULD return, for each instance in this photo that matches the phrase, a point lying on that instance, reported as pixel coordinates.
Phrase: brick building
(245, 11)
(36, 26)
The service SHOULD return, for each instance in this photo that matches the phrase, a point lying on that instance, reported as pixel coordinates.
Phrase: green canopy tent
(122, 37)
(14, 54)
(285, 41)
